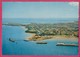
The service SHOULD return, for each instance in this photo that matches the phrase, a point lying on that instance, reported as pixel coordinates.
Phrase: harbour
(20, 39)
(40, 28)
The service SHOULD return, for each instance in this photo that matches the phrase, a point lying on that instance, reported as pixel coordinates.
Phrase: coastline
(56, 37)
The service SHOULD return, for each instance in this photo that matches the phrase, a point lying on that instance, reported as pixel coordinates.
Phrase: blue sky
(39, 10)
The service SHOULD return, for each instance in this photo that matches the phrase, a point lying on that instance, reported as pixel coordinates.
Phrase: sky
(40, 10)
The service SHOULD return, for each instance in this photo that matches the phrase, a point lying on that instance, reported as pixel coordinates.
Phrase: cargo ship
(41, 42)
(63, 44)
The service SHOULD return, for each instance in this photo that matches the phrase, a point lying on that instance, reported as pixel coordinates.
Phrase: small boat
(26, 40)
(41, 42)
(12, 40)
(63, 44)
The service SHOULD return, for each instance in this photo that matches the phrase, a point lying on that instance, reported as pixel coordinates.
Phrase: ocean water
(21, 47)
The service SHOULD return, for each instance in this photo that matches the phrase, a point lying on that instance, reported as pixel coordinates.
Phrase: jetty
(63, 44)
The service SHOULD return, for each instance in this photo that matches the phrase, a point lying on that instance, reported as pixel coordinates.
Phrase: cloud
(74, 3)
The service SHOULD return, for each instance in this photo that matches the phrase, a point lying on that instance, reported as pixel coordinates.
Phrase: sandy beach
(33, 37)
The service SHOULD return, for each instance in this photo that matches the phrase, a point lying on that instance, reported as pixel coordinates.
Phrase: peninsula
(52, 31)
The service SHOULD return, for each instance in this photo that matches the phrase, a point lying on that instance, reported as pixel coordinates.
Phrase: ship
(41, 42)
(63, 44)
(12, 40)
(26, 40)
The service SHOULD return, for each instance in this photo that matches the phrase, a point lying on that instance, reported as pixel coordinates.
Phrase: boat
(63, 44)
(26, 40)
(41, 42)
(12, 40)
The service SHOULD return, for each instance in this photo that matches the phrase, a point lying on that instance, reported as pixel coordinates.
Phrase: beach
(51, 37)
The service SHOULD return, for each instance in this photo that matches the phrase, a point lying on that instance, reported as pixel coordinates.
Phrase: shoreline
(56, 37)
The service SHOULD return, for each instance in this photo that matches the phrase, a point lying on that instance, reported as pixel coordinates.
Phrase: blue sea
(21, 47)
